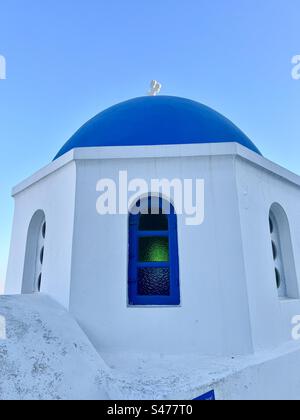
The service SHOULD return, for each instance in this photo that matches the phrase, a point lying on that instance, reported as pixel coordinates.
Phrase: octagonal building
(207, 297)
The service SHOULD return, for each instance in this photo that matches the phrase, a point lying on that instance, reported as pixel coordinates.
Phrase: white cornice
(158, 152)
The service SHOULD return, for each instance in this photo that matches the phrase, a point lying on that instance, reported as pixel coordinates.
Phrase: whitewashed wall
(213, 316)
(55, 195)
(258, 189)
(229, 303)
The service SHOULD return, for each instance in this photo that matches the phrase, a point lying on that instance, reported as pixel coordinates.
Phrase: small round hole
(274, 249)
(44, 230)
(42, 255)
(278, 278)
(271, 225)
(39, 283)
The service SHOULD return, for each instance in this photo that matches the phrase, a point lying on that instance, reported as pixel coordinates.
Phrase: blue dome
(156, 120)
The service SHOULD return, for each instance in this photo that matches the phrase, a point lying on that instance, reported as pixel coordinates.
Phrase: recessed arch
(35, 253)
(285, 277)
(153, 272)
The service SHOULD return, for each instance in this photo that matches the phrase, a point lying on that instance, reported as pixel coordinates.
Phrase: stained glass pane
(154, 249)
(153, 222)
(154, 281)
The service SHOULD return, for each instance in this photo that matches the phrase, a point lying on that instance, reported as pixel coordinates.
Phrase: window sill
(287, 300)
(154, 306)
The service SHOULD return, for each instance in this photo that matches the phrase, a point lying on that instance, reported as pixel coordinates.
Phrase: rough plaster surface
(44, 355)
(267, 375)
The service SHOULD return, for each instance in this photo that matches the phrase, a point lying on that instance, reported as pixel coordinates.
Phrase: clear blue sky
(69, 59)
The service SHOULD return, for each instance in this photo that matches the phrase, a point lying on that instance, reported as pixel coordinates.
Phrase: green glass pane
(150, 222)
(154, 249)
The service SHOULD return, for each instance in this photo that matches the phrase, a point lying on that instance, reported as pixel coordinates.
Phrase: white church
(138, 306)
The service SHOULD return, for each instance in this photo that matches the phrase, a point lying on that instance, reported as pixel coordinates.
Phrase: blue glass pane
(154, 281)
(150, 222)
(154, 249)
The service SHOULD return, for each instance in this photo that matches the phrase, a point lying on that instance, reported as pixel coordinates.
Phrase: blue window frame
(153, 275)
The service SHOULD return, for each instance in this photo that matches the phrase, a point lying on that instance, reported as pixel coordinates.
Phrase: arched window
(282, 252)
(153, 254)
(34, 257)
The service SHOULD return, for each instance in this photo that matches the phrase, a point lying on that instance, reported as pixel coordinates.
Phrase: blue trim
(209, 396)
(144, 233)
(173, 264)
